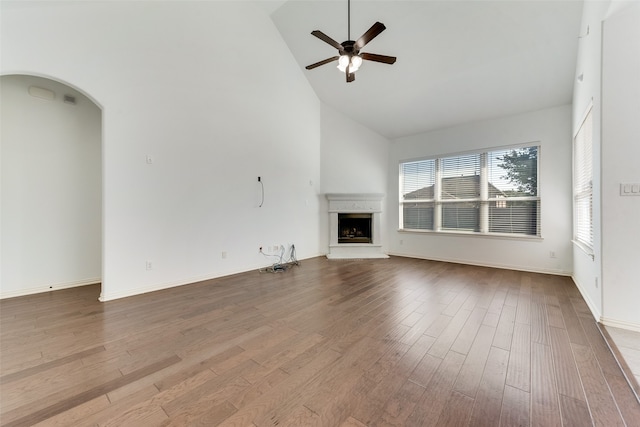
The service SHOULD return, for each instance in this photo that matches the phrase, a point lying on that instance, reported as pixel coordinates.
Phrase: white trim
(459, 233)
(537, 143)
(482, 264)
(354, 196)
(49, 288)
(620, 324)
(104, 297)
(595, 311)
(584, 248)
(583, 117)
(355, 253)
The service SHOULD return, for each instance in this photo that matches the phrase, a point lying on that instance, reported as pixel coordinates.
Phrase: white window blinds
(494, 192)
(514, 206)
(418, 190)
(461, 193)
(583, 183)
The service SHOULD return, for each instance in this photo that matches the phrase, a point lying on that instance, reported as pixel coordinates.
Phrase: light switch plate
(630, 189)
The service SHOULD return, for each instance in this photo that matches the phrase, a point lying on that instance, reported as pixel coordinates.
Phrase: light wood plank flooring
(397, 342)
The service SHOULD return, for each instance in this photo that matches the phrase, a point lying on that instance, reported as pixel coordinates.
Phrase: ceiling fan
(349, 56)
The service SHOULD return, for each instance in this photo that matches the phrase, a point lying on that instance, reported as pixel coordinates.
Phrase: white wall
(51, 188)
(608, 65)
(353, 160)
(620, 164)
(552, 129)
(587, 272)
(210, 93)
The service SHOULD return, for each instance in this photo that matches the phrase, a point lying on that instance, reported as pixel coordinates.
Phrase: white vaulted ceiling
(458, 61)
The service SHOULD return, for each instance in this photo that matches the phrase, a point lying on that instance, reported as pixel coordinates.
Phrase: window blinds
(491, 192)
(512, 191)
(418, 190)
(583, 182)
(460, 194)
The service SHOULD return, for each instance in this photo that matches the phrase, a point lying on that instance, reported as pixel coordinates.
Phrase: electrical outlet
(149, 265)
(552, 254)
(224, 254)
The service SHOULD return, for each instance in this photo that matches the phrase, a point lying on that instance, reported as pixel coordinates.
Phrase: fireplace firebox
(354, 228)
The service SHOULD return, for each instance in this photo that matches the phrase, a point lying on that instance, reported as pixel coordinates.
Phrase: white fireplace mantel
(355, 203)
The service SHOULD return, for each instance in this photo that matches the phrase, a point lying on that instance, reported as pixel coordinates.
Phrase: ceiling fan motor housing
(349, 47)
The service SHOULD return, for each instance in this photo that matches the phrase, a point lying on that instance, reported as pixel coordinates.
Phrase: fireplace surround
(354, 225)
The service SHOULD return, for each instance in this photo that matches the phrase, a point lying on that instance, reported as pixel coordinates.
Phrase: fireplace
(355, 226)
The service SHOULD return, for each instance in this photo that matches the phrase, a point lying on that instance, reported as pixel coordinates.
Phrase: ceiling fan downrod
(348, 19)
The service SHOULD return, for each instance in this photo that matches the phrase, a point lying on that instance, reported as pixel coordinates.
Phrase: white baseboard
(620, 324)
(130, 292)
(49, 288)
(491, 265)
(595, 310)
(104, 297)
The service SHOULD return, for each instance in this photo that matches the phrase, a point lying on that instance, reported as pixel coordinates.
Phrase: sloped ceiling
(458, 61)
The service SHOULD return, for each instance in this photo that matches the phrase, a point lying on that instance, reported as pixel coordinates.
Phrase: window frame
(484, 200)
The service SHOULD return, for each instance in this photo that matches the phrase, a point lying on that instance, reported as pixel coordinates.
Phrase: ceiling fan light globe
(343, 62)
(356, 62)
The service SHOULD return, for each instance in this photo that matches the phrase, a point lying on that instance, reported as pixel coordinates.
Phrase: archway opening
(51, 186)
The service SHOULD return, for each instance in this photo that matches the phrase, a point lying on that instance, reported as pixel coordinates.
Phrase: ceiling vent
(68, 99)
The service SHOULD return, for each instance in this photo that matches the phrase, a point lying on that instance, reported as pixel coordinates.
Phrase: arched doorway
(51, 186)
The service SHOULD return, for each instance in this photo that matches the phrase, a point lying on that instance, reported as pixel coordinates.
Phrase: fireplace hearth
(355, 226)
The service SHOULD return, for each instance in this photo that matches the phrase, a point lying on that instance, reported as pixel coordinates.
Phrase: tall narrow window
(461, 193)
(514, 206)
(583, 183)
(492, 192)
(418, 194)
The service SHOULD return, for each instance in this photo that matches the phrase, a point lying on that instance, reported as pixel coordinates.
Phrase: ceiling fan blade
(325, 38)
(325, 61)
(378, 58)
(371, 33)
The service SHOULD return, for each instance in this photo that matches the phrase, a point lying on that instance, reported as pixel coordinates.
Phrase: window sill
(584, 248)
(520, 237)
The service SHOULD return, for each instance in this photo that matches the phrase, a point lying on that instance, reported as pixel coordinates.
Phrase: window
(460, 195)
(492, 192)
(514, 206)
(583, 184)
(419, 184)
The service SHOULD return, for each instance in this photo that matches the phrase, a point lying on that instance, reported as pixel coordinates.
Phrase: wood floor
(395, 342)
(625, 345)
